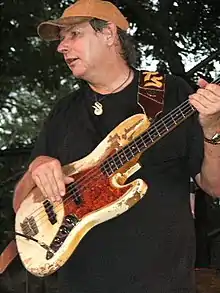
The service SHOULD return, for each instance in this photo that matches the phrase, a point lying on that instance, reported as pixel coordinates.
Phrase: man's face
(83, 49)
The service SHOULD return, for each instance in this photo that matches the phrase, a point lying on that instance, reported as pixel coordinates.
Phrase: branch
(171, 50)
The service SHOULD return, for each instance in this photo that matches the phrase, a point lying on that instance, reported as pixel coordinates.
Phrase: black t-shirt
(150, 248)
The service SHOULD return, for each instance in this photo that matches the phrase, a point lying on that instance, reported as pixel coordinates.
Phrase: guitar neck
(153, 134)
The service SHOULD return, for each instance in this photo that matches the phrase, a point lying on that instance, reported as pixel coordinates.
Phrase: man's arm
(207, 102)
(41, 168)
(22, 189)
(209, 177)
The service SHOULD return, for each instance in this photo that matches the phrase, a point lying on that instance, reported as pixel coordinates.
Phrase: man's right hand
(47, 174)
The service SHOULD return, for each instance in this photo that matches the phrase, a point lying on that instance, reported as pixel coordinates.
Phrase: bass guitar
(48, 233)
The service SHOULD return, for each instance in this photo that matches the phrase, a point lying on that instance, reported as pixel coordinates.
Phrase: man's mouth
(70, 61)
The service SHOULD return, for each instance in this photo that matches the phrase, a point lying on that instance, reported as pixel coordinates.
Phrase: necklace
(98, 107)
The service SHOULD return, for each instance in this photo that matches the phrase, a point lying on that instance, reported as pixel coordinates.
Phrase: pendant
(98, 109)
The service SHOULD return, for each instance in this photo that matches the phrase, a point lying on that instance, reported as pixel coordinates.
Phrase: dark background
(33, 76)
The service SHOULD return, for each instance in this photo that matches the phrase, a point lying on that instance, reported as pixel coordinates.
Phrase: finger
(215, 88)
(58, 174)
(68, 180)
(202, 107)
(42, 183)
(207, 105)
(53, 185)
(199, 104)
(207, 95)
(202, 83)
(196, 99)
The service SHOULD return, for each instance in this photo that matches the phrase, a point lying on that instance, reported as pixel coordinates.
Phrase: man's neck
(112, 79)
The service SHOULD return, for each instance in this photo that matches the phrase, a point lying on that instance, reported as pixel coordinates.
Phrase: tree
(33, 76)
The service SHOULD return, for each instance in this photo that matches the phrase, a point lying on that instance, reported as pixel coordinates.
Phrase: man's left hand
(207, 102)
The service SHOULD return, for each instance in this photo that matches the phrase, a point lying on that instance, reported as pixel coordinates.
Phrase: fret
(123, 156)
(110, 165)
(143, 141)
(167, 128)
(155, 127)
(113, 163)
(174, 121)
(182, 112)
(131, 150)
(191, 107)
(120, 159)
(105, 170)
(131, 153)
(148, 133)
(136, 144)
(152, 134)
(177, 116)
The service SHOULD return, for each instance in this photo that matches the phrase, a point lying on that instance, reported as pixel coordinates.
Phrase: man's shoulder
(179, 82)
(69, 101)
(177, 88)
(70, 98)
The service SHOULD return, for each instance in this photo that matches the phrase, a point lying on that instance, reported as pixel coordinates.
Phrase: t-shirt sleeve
(46, 142)
(41, 146)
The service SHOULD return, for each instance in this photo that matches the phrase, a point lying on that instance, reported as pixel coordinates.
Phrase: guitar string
(92, 172)
(164, 119)
(215, 81)
(95, 173)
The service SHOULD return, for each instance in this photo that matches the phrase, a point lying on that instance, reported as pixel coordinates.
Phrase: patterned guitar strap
(151, 91)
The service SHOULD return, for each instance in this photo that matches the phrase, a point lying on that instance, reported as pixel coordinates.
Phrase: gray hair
(128, 50)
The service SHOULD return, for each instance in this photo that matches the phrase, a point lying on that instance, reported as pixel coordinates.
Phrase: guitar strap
(6, 257)
(151, 91)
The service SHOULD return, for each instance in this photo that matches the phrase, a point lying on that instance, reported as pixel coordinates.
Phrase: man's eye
(75, 33)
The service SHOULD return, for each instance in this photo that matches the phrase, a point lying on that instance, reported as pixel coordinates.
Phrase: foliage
(33, 75)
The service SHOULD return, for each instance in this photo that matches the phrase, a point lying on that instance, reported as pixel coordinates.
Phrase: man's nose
(62, 47)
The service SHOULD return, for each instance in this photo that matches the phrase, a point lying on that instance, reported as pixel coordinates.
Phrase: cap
(79, 11)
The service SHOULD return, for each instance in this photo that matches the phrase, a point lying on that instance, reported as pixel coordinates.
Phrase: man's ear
(110, 33)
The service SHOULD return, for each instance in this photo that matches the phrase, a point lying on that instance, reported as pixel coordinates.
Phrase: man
(151, 247)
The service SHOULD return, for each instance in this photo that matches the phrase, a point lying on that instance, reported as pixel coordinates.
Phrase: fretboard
(154, 133)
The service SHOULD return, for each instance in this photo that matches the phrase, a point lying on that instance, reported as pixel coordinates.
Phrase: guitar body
(48, 233)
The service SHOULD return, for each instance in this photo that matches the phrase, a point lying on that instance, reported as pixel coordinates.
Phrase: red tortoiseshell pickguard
(95, 192)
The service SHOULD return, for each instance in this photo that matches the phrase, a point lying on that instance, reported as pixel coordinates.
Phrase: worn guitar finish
(47, 234)
(98, 194)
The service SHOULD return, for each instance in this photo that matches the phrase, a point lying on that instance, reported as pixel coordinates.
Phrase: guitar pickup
(29, 227)
(49, 209)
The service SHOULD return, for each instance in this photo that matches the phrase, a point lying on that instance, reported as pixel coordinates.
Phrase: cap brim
(50, 30)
